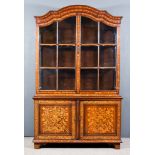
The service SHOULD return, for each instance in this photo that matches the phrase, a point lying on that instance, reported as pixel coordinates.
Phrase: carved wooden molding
(83, 10)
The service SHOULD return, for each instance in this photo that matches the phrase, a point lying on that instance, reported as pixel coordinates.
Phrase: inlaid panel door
(56, 119)
(100, 119)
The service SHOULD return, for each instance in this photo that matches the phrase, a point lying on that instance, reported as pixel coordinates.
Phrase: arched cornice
(83, 10)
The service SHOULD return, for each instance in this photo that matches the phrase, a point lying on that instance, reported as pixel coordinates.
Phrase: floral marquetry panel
(56, 118)
(99, 118)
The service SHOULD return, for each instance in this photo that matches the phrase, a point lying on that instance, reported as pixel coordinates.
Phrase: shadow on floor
(74, 145)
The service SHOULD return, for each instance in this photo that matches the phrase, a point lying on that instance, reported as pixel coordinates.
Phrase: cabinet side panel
(36, 119)
(37, 59)
(118, 61)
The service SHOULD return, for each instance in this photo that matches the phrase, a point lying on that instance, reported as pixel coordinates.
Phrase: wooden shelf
(66, 67)
(110, 44)
(107, 67)
(89, 67)
(47, 67)
(80, 44)
(48, 44)
(57, 44)
(57, 67)
(66, 44)
(98, 67)
(89, 44)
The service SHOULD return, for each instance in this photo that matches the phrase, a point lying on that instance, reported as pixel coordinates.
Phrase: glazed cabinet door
(100, 120)
(54, 119)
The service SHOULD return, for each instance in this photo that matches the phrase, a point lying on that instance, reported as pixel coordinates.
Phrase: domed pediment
(82, 10)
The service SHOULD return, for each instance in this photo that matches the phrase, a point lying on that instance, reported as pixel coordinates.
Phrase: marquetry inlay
(55, 119)
(99, 119)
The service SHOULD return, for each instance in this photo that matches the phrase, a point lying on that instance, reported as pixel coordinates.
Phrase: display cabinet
(77, 77)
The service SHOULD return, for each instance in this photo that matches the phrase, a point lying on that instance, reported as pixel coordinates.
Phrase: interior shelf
(89, 67)
(57, 44)
(66, 44)
(89, 44)
(107, 44)
(107, 67)
(41, 44)
(57, 67)
(98, 67)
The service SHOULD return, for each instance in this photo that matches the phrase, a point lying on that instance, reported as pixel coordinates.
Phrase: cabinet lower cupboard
(77, 77)
(77, 121)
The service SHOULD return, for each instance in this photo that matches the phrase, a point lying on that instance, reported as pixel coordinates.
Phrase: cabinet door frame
(117, 121)
(38, 127)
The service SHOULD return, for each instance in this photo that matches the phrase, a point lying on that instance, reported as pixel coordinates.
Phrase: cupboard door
(100, 120)
(56, 119)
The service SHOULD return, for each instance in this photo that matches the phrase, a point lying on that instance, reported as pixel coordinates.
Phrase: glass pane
(48, 79)
(48, 56)
(107, 34)
(107, 56)
(89, 30)
(88, 79)
(89, 56)
(66, 56)
(48, 34)
(107, 79)
(67, 30)
(66, 79)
